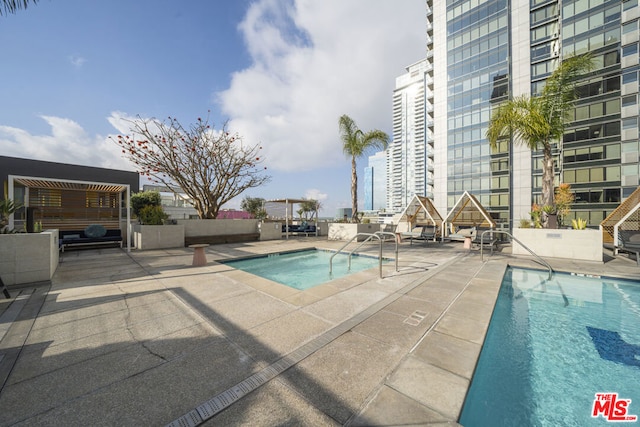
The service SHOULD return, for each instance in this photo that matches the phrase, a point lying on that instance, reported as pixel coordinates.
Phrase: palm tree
(540, 120)
(11, 6)
(356, 143)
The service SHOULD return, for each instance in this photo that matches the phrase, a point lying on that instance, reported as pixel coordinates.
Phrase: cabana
(622, 226)
(420, 213)
(287, 215)
(467, 213)
(72, 205)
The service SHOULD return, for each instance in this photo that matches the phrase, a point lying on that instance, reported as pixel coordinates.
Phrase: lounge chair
(462, 234)
(420, 232)
(489, 241)
(630, 242)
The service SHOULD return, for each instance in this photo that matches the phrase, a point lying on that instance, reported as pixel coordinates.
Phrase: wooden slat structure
(421, 211)
(468, 212)
(625, 217)
(73, 205)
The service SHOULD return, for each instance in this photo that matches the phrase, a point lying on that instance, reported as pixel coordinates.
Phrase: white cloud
(77, 61)
(314, 62)
(67, 143)
(316, 194)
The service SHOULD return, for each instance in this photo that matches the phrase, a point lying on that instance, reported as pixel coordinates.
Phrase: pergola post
(10, 195)
(128, 207)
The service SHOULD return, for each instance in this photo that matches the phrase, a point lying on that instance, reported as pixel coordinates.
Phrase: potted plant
(579, 224)
(550, 216)
(564, 198)
(7, 207)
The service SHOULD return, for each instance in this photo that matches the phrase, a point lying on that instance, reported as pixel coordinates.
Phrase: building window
(629, 123)
(612, 195)
(629, 50)
(631, 77)
(629, 101)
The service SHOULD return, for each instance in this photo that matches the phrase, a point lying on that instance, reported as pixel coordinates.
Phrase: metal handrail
(542, 261)
(370, 236)
(395, 239)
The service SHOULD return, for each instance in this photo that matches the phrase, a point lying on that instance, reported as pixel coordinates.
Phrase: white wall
(158, 236)
(559, 243)
(218, 227)
(28, 257)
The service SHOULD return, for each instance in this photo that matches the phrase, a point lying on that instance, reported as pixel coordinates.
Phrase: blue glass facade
(477, 78)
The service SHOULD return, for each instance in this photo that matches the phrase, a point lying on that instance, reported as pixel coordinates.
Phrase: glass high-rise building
(410, 153)
(486, 51)
(375, 183)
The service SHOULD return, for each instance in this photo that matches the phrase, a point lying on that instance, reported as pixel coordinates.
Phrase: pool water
(303, 269)
(551, 346)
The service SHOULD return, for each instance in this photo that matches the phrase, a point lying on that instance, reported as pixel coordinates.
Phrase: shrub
(152, 215)
(144, 198)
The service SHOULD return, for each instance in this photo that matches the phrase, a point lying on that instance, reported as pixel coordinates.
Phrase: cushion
(634, 238)
(95, 230)
(71, 236)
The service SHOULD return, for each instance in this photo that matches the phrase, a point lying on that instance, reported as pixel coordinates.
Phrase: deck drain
(415, 318)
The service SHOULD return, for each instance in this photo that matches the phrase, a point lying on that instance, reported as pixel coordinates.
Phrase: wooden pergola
(421, 211)
(625, 217)
(288, 216)
(468, 212)
(71, 205)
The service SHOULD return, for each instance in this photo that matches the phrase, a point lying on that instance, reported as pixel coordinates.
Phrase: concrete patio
(146, 339)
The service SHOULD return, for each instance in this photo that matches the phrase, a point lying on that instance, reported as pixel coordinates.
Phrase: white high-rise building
(410, 152)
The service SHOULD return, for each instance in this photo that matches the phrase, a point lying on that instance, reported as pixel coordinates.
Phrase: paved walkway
(146, 339)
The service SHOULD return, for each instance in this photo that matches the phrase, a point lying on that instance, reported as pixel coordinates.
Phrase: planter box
(28, 257)
(584, 245)
(340, 231)
(146, 237)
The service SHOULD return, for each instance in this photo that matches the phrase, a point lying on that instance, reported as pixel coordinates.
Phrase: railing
(542, 261)
(376, 235)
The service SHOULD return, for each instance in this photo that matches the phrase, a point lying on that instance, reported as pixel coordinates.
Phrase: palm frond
(12, 6)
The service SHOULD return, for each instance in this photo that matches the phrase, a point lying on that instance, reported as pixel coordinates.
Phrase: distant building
(375, 183)
(177, 206)
(410, 153)
(344, 213)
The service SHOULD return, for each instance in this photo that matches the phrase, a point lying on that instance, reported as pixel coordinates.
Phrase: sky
(280, 73)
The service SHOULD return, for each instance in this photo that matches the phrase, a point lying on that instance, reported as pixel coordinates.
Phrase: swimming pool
(303, 269)
(551, 347)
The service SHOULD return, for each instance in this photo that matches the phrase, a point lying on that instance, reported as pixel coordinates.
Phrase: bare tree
(211, 167)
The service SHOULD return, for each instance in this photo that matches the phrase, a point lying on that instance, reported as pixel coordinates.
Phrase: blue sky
(281, 72)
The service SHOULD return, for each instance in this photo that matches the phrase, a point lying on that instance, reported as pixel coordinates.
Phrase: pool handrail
(538, 257)
(377, 234)
(370, 236)
(395, 239)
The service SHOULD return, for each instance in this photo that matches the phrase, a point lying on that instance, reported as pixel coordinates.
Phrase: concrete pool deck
(146, 339)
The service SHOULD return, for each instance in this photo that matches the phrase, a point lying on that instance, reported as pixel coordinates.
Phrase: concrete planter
(584, 245)
(270, 230)
(147, 237)
(28, 257)
(345, 231)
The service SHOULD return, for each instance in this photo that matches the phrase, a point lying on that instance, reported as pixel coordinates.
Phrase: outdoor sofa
(92, 235)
